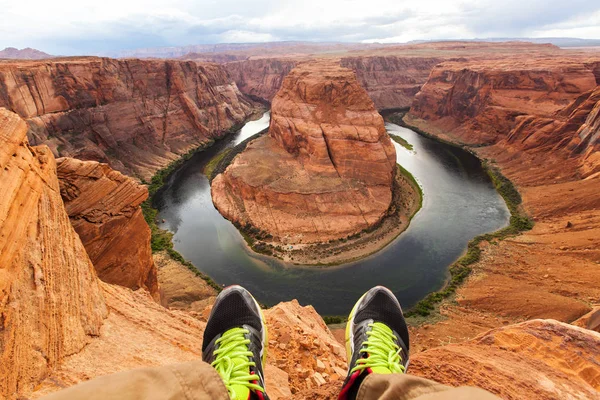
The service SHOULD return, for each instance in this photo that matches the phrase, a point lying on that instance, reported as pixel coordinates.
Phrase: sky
(77, 27)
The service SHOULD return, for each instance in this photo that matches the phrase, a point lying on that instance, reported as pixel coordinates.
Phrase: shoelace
(382, 350)
(233, 349)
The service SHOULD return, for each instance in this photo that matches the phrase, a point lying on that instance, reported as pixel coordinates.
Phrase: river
(459, 203)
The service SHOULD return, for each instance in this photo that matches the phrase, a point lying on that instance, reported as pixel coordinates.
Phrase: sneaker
(235, 343)
(376, 339)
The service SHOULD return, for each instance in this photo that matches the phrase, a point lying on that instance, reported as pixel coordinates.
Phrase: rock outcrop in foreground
(135, 115)
(325, 169)
(104, 208)
(537, 359)
(50, 303)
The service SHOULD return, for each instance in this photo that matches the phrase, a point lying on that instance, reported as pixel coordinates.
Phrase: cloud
(84, 27)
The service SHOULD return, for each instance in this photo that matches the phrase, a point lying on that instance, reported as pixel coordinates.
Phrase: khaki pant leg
(194, 380)
(408, 387)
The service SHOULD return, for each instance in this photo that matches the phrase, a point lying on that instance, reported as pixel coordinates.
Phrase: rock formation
(50, 303)
(482, 99)
(135, 115)
(538, 359)
(104, 208)
(536, 120)
(260, 78)
(325, 169)
(391, 81)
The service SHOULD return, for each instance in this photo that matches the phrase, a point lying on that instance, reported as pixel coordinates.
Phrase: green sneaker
(235, 342)
(376, 339)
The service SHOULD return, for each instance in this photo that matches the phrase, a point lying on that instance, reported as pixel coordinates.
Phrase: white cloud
(86, 27)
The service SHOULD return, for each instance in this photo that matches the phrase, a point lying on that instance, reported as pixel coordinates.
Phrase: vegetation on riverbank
(402, 142)
(461, 269)
(219, 163)
(162, 239)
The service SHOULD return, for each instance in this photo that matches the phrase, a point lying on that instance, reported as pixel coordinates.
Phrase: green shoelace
(232, 363)
(384, 353)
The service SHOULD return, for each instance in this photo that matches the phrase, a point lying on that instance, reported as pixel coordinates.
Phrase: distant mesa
(28, 53)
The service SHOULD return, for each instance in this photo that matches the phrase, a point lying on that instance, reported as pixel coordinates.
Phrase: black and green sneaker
(376, 339)
(235, 343)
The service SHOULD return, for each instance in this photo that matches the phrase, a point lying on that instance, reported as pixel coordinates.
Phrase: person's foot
(235, 342)
(376, 339)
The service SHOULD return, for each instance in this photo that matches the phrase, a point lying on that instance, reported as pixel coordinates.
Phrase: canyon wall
(325, 169)
(261, 78)
(481, 100)
(391, 81)
(50, 303)
(135, 115)
(536, 121)
(104, 208)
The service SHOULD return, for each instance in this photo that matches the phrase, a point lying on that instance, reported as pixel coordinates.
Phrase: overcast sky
(70, 27)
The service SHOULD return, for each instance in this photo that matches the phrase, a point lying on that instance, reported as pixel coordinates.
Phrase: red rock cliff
(104, 208)
(135, 115)
(325, 169)
(261, 77)
(50, 302)
(531, 105)
(392, 82)
(482, 99)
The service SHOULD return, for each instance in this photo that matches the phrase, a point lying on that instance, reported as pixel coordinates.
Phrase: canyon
(523, 325)
(303, 182)
(135, 115)
(536, 120)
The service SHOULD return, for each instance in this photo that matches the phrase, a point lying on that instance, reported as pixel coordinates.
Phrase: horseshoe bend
(94, 277)
(325, 171)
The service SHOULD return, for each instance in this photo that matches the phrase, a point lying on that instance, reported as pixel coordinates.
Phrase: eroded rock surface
(536, 120)
(261, 78)
(50, 302)
(325, 169)
(538, 359)
(104, 208)
(391, 81)
(135, 115)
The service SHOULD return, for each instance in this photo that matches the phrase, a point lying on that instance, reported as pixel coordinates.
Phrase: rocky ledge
(325, 171)
(104, 208)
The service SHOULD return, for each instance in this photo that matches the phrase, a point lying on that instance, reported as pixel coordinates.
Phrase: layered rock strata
(325, 169)
(135, 115)
(538, 359)
(50, 303)
(261, 78)
(391, 81)
(536, 120)
(104, 208)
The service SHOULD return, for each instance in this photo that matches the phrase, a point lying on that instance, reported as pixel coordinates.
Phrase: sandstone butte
(104, 208)
(135, 115)
(80, 327)
(325, 169)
